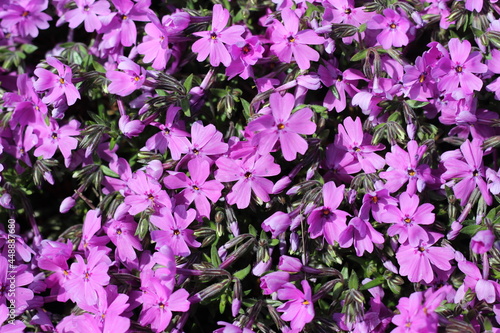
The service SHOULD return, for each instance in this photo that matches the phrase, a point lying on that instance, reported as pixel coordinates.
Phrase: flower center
(356, 149)
(248, 174)
(459, 69)
(407, 220)
(306, 302)
(25, 13)
(177, 232)
(374, 199)
(421, 249)
(61, 80)
(291, 39)
(124, 17)
(87, 275)
(151, 197)
(86, 8)
(422, 76)
(348, 11)
(161, 306)
(326, 211)
(411, 173)
(475, 173)
(54, 135)
(196, 188)
(246, 49)
(119, 231)
(281, 126)
(393, 25)
(213, 35)
(136, 78)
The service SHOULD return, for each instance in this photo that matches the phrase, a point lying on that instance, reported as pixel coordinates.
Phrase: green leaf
(252, 231)
(28, 48)
(214, 256)
(246, 108)
(188, 83)
(472, 229)
(362, 27)
(359, 56)
(353, 282)
(142, 228)
(373, 283)
(222, 303)
(98, 67)
(108, 172)
(241, 274)
(416, 104)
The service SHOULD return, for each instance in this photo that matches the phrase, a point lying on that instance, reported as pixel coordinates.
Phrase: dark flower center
(161, 305)
(124, 17)
(340, 78)
(54, 135)
(86, 8)
(475, 173)
(421, 249)
(196, 151)
(326, 211)
(306, 302)
(291, 39)
(459, 69)
(61, 80)
(246, 49)
(248, 174)
(213, 35)
(25, 13)
(166, 131)
(393, 25)
(196, 188)
(356, 149)
(136, 78)
(348, 11)
(374, 199)
(411, 173)
(151, 197)
(422, 76)
(281, 126)
(407, 220)
(177, 232)
(119, 231)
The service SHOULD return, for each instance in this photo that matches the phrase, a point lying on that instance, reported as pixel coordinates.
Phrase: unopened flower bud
(67, 204)
(482, 242)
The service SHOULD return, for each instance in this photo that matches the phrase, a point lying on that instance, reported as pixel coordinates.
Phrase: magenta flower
(90, 12)
(482, 241)
(245, 54)
(130, 79)
(459, 68)
(86, 285)
(404, 167)
(171, 135)
(196, 188)
(394, 28)
(418, 262)
(28, 106)
(299, 310)
(122, 233)
(361, 234)
(58, 85)
(146, 193)
(174, 230)
(25, 17)
(19, 276)
(206, 141)
(328, 221)
(486, 290)
(277, 223)
(408, 218)
(212, 43)
(355, 141)
(343, 82)
(376, 202)
(288, 41)
(249, 174)
(471, 171)
(53, 137)
(282, 126)
(158, 302)
(418, 80)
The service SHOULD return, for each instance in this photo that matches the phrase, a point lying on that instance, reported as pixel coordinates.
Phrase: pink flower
(53, 137)
(174, 230)
(486, 290)
(88, 11)
(394, 28)
(482, 241)
(57, 85)
(130, 79)
(197, 188)
(122, 233)
(212, 43)
(361, 234)
(25, 17)
(249, 174)
(299, 310)
(328, 221)
(86, 285)
(146, 193)
(418, 262)
(288, 40)
(282, 126)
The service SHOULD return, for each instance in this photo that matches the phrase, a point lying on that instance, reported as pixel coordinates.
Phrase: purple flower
(146, 193)
(212, 43)
(471, 171)
(206, 141)
(58, 85)
(158, 302)
(277, 223)
(130, 79)
(196, 188)
(404, 167)
(486, 290)
(361, 234)
(328, 220)
(53, 137)
(88, 11)
(245, 54)
(418, 80)
(282, 126)
(376, 202)
(355, 141)
(249, 174)
(86, 285)
(171, 135)
(174, 230)
(288, 40)
(18, 276)
(458, 69)
(394, 28)
(122, 233)
(25, 17)
(299, 310)
(482, 241)
(16, 326)
(408, 218)
(418, 262)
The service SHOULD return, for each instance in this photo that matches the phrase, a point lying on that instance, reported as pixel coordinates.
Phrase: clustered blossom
(320, 166)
